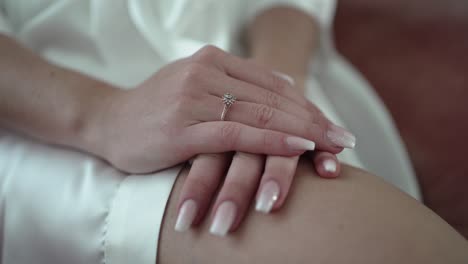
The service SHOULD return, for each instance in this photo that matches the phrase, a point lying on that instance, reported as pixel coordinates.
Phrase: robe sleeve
(62, 206)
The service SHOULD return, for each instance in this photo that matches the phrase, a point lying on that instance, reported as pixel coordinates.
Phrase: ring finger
(251, 93)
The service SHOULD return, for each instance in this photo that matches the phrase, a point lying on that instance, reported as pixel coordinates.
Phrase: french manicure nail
(224, 218)
(341, 137)
(187, 214)
(329, 165)
(269, 194)
(297, 143)
(285, 77)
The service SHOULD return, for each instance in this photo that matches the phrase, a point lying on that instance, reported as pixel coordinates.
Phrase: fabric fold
(134, 222)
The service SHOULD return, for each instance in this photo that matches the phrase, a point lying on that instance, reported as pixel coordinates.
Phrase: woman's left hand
(269, 177)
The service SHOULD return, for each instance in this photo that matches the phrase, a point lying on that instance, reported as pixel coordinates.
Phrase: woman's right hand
(227, 183)
(175, 115)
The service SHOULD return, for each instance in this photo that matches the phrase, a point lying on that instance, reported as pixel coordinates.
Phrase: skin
(356, 218)
(427, 69)
(283, 39)
(152, 127)
(64, 107)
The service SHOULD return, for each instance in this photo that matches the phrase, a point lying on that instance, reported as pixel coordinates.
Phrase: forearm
(43, 100)
(283, 38)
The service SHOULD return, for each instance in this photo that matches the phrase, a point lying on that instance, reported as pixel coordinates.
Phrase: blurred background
(415, 54)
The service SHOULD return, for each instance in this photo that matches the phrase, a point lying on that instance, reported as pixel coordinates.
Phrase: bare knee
(354, 219)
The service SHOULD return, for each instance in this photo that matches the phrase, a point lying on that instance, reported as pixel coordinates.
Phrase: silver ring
(228, 100)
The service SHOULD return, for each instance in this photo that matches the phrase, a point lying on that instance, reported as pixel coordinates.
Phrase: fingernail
(297, 143)
(224, 218)
(285, 77)
(329, 165)
(341, 137)
(269, 194)
(187, 214)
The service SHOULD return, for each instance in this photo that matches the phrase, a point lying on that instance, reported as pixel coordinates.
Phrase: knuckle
(319, 119)
(183, 101)
(207, 54)
(263, 115)
(191, 79)
(315, 115)
(322, 121)
(272, 99)
(318, 132)
(230, 133)
(210, 49)
(193, 73)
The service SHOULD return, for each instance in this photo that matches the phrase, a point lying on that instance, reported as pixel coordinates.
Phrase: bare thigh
(354, 219)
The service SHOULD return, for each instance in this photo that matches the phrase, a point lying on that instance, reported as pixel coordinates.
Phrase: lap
(357, 218)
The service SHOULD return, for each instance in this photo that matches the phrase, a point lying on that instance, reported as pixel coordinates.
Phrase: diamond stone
(229, 99)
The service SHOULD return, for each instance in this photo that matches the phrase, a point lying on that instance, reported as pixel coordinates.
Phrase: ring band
(228, 100)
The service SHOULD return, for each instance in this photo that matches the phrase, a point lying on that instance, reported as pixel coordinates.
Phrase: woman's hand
(269, 177)
(175, 115)
(282, 38)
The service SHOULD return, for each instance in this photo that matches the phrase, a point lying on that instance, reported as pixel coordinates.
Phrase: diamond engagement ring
(228, 100)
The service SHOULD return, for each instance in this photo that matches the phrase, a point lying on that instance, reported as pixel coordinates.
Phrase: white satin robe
(62, 206)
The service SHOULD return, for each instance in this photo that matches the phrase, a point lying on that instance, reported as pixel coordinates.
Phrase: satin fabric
(58, 205)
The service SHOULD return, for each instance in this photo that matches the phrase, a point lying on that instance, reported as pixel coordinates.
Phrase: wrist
(88, 129)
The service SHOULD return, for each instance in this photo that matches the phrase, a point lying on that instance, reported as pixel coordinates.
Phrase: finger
(266, 117)
(259, 75)
(326, 164)
(236, 193)
(276, 182)
(250, 72)
(199, 188)
(247, 92)
(224, 136)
